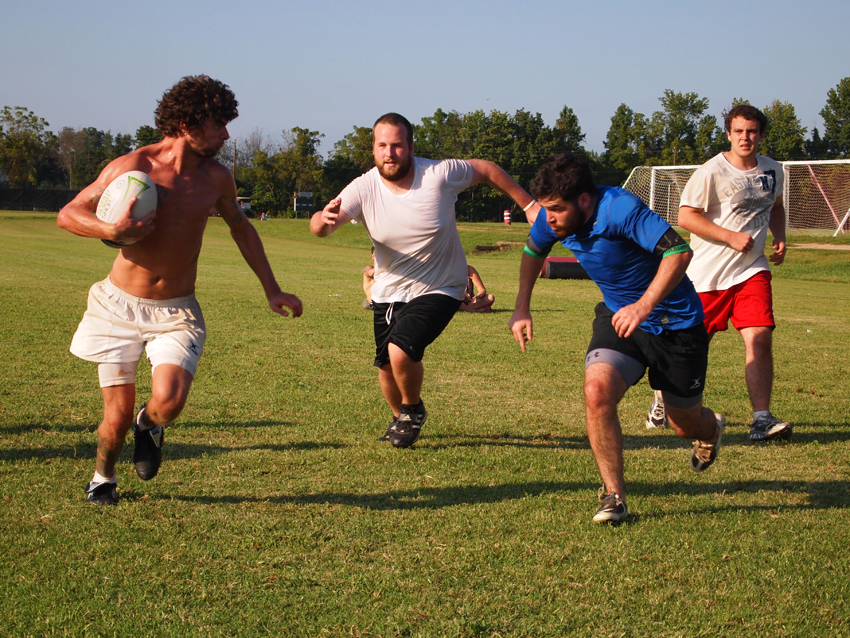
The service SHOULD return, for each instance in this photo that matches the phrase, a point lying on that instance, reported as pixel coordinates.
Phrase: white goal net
(817, 193)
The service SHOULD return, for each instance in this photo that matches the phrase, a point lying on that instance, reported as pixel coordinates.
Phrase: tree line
(270, 170)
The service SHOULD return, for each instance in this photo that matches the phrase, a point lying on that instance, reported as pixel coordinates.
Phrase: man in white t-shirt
(407, 205)
(728, 205)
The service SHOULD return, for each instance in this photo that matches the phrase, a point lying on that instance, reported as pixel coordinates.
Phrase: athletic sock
(99, 478)
(417, 408)
(142, 423)
(760, 413)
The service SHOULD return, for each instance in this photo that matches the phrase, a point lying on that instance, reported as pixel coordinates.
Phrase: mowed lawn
(277, 513)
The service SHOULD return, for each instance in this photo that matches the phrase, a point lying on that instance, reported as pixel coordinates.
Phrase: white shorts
(117, 326)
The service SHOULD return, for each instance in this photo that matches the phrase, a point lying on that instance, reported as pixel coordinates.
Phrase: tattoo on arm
(96, 197)
(238, 216)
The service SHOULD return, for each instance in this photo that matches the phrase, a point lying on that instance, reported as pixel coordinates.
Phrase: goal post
(817, 193)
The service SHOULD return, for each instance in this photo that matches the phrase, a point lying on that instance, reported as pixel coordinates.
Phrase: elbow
(62, 220)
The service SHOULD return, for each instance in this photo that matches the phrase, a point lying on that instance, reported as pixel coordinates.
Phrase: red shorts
(748, 304)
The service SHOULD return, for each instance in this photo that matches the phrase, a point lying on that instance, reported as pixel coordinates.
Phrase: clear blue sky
(330, 65)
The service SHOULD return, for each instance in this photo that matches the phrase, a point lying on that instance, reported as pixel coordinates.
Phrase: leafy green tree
(146, 135)
(567, 132)
(815, 149)
(836, 119)
(440, 136)
(623, 145)
(69, 144)
(785, 138)
(24, 146)
(682, 133)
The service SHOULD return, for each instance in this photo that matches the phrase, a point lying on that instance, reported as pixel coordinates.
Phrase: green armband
(532, 250)
(531, 253)
(681, 248)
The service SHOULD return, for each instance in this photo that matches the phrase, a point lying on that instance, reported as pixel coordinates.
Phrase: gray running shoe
(704, 454)
(657, 417)
(769, 428)
(102, 493)
(612, 509)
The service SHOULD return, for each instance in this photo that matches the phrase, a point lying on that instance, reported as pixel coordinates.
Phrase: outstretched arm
(329, 218)
(494, 176)
(251, 247)
(520, 323)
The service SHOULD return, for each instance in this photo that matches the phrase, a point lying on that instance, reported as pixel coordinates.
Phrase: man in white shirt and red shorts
(728, 205)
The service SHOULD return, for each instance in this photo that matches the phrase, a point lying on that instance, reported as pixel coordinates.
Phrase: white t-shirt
(417, 247)
(737, 200)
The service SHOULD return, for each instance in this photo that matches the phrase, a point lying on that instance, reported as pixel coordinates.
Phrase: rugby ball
(117, 196)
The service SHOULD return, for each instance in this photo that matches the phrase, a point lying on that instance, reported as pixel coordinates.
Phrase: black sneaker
(769, 428)
(408, 425)
(102, 493)
(390, 429)
(612, 509)
(147, 456)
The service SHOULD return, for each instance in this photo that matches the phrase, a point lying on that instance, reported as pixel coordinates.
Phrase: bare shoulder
(139, 160)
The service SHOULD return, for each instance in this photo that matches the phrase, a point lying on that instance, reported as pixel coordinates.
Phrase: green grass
(277, 513)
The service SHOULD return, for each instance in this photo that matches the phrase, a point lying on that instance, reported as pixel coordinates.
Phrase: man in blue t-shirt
(650, 316)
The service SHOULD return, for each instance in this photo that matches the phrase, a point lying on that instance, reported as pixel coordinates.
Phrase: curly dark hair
(747, 112)
(191, 102)
(566, 176)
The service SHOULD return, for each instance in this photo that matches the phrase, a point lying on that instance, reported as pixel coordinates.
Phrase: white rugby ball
(117, 196)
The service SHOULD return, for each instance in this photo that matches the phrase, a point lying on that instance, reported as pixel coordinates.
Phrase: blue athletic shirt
(616, 247)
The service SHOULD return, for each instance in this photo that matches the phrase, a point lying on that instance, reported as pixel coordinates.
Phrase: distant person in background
(476, 298)
(728, 205)
(147, 303)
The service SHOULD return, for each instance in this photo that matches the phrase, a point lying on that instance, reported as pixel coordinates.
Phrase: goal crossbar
(816, 192)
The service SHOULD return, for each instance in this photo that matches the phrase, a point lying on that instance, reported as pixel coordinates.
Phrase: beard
(208, 152)
(395, 172)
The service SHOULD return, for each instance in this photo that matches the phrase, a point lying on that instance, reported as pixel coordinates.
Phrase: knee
(759, 340)
(164, 410)
(115, 425)
(597, 394)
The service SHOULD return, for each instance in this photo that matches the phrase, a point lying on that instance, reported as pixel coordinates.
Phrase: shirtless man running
(147, 301)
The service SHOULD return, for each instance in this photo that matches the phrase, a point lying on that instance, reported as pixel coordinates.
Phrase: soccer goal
(817, 193)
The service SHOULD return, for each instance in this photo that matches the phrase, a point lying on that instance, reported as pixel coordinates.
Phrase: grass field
(276, 512)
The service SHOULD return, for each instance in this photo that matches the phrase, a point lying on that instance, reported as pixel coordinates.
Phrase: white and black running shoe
(657, 417)
(612, 509)
(769, 428)
(102, 493)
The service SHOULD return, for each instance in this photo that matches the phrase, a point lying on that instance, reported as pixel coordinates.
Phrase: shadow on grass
(418, 498)
(23, 428)
(506, 439)
(171, 451)
(821, 495)
(225, 425)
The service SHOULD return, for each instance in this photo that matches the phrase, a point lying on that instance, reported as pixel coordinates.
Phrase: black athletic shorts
(412, 326)
(676, 359)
